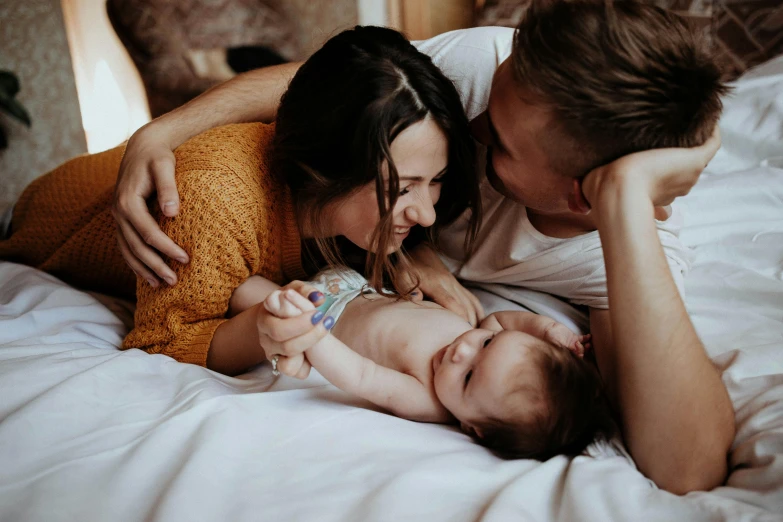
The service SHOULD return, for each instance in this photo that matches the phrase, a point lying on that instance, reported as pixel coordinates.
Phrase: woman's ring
(275, 371)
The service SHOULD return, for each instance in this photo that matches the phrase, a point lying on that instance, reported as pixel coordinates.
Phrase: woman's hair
(335, 126)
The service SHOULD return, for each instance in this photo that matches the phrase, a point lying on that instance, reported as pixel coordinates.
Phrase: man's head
(520, 396)
(589, 81)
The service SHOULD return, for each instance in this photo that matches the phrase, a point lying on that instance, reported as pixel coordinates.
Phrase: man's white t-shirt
(509, 250)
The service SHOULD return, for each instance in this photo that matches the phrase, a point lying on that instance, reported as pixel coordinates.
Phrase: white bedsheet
(91, 433)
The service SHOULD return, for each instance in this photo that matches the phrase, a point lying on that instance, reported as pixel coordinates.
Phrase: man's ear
(576, 199)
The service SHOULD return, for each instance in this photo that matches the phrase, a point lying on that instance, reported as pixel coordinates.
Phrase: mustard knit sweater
(235, 220)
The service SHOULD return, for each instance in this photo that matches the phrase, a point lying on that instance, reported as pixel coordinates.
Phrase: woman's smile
(402, 232)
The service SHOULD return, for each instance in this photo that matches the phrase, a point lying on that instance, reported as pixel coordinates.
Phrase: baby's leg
(253, 291)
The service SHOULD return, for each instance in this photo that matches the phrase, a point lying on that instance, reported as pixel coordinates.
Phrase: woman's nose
(422, 211)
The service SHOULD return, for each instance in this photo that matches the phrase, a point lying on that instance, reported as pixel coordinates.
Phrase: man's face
(517, 166)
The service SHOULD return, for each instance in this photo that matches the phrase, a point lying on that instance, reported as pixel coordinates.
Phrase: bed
(91, 433)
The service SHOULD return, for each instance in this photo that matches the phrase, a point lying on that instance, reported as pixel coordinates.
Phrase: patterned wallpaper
(163, 36)
(33, 45)
(319, 21)
(743, 33)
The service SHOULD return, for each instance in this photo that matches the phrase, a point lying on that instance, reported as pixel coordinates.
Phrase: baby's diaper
(340, 286)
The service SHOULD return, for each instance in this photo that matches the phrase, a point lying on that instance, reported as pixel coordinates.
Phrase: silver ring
(275, 371)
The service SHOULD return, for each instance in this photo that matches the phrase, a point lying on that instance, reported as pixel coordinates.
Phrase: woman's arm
(148, 164)
(255, 335)
(233, 347)
(440, 285)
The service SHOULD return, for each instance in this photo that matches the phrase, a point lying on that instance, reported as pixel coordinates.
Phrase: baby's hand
(287, 303)
(562, 337)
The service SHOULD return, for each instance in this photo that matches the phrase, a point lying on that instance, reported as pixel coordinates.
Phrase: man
(580, 86)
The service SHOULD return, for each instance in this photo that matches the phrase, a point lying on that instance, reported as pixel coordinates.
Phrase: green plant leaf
(9, 83)
(15, 109)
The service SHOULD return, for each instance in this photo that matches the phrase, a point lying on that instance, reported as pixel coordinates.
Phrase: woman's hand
(661, 174)
(440, 285)
(284, 328)
(147, 167)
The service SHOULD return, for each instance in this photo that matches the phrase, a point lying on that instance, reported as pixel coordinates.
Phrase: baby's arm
(539, 326)
(253, 291)
(403, 395)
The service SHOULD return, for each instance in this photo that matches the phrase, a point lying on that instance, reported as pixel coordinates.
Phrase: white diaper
(340, 286)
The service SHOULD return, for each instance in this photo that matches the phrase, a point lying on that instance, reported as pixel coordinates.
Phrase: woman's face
(420, 153)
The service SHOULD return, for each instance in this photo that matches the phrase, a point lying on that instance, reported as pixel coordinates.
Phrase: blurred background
(87, 73)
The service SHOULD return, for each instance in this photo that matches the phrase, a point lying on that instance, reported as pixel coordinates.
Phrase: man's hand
(662, 174)
(147, 167)
(440, 285)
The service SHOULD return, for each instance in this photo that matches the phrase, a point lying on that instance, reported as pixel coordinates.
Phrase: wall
(33, 45)
(422, 19)
(111, 96)
(319, 21)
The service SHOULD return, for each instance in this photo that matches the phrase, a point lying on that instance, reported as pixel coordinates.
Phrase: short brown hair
(619, 77)
(573, 411)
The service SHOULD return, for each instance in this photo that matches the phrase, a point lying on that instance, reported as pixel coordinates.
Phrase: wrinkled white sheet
(90, 433)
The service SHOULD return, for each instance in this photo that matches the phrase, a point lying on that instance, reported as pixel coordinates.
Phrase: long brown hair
(335, 126)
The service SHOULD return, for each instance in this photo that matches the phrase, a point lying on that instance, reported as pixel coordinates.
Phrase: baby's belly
(400, 335)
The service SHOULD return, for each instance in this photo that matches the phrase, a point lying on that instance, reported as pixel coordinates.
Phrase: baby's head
(520, 396)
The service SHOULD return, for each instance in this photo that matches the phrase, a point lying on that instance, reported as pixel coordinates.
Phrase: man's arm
(148, 163)
(251, 96)
(677, 419)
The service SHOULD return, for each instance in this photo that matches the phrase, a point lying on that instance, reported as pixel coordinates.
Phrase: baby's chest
(414, 357)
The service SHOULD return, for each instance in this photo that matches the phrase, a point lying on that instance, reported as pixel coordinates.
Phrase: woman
(370, 141)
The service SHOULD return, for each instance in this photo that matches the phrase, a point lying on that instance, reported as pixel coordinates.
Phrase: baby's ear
(471, 430)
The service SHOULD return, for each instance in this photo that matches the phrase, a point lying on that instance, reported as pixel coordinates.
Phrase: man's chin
(499, 186)
(549, 207)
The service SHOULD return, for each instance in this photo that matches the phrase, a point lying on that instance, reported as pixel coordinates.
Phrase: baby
(517, 384)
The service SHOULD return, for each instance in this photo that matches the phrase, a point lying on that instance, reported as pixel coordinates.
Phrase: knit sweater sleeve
(236, 220)
(216, 227)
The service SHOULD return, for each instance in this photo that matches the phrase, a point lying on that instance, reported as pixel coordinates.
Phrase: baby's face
(473, 375)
